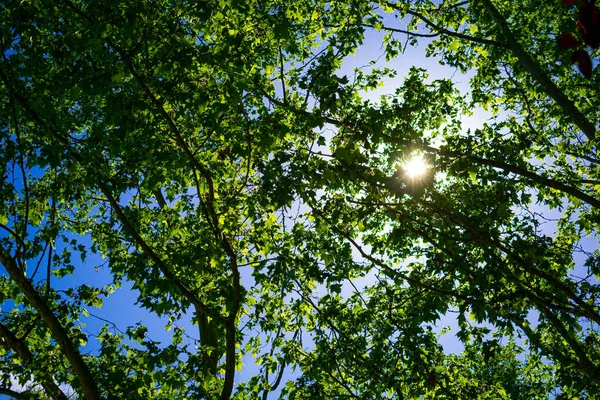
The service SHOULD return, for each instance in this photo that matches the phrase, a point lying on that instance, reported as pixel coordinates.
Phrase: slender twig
(15, 235)
(441, 29)
(282, 76)
(49, 266)
(39, 262)
(21, 161)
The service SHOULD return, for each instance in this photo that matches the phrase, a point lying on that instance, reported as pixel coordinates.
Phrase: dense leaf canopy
(223, 162)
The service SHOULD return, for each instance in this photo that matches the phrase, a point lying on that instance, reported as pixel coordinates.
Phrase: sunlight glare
(415, 167)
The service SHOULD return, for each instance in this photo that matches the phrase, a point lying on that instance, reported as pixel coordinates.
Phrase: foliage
(588, 26)
(218, 158)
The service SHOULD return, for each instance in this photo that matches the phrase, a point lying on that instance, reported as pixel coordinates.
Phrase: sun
(415, 167)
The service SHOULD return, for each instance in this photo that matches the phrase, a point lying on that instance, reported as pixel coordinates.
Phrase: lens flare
(415, 167)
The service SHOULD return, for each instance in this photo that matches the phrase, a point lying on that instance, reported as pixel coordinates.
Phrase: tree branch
(503, 166)
(397, 30)
(106, 190)
(482, 161)
(230, 321)
(389, 269)
(60, 334)
(19, 348)
(441, 29)
(13, 394)
(584, 364)
(539, 75)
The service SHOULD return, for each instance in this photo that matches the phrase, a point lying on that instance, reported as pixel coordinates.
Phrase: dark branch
(536, 72)
(17, 345)
(13, 394)
(442, 30)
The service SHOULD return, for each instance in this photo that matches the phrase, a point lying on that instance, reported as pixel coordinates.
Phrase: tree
(220, 162)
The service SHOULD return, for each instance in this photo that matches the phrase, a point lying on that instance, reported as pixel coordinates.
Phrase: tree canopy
(222, 160)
